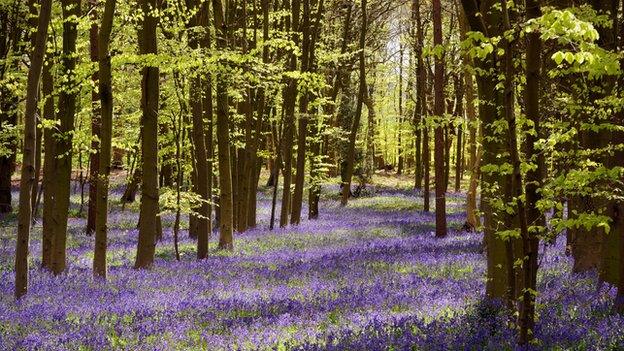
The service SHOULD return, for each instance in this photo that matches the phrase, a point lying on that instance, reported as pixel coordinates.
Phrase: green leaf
(558, 57)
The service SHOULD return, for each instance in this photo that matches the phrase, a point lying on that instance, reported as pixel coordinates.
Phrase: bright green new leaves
(578, 35)
(563, 26)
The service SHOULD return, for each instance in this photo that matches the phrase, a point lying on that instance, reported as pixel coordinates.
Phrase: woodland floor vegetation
(371, 276)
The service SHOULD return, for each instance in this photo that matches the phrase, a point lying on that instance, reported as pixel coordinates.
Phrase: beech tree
(439, 152)
(226, 211)
(148, 224)
(346, 186)
(104, 161)
(28, 158)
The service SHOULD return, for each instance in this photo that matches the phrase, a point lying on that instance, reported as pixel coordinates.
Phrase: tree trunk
(459, 113)
(28, 155)
(290, 98)
(66, 113)
(472, 218)
(315, 148)
(49, 168)
(440, 190)
(534, 218)
(148, 226)
(38, 153)
(226, 213)
(421, 103)
(306, 62)
(490, 113)
(95, 123)
(104, 162)
(346, 186)
(427, 150)
(400, 124)
(612, 261)
(198, 111)
(129, 194)
(473, 221)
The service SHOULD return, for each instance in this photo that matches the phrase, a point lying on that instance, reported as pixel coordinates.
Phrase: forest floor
(367, 277)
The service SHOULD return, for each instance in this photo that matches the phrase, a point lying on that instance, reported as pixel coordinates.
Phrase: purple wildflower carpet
(367, 277)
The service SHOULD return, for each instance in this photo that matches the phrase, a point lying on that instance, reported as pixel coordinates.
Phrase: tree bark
(472, 218)
(66, 113)
(346, 187)
(493, 144)
(440, 189)
(226, 206)
(49, 168)
(95, 122)
(28, 155)
(459, 113)
(306, 44)
(198, 108)
(148, 226)
(400, 119)
(104, 161)
(290, 98)
(422, 142)
(534, 218)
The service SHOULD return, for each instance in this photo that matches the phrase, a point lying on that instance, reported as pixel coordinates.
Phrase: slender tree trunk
(198, 108)
(95, 122)
(421, 105)
(315, 148)
(226, 213)
(132, 187)
(427, 150)
(346, 187)
(534, 218)
(36, 190)
(148, 226)
(28, 155)
(472, 218)
(104, 162)
(371, 132)
(262, 110)
(459, 113)
(49, 168)
(338, 85)
(400, 124)
(290, 98)
(440, 190)
(306, 45)
(66, 113)
(38, 152)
